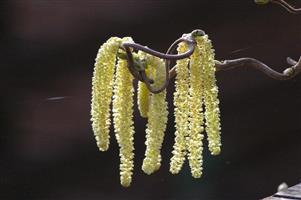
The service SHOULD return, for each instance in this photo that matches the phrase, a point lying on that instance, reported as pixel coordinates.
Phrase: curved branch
(191, 44)
(137, 68)
(251, 62)
(141, 75)
(287, 6)
(220, 65)
(288, 73)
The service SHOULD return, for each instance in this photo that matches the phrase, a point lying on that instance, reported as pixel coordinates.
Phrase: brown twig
(139, 72)
(288, 73)
(287, 6)
(141, 75)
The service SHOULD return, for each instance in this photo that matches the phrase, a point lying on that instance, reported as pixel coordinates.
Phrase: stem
(287, 6)
(288, 73)
(140, 74)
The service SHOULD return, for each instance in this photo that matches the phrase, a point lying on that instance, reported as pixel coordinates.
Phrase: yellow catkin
(143, 99)
(157, 118)
(212, 112)
(143, 94)
(123, 120)
(195, 145)
(102, 88)
(181, 103)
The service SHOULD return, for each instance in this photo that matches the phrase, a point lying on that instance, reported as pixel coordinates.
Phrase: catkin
(196, 117)
(212, 112)
(123, 119)
(157, 118)
(102, 90)
(181, 103)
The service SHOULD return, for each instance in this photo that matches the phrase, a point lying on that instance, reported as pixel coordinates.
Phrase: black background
(47, 51)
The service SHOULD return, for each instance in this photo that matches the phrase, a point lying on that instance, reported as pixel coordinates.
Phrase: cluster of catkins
(195, 89)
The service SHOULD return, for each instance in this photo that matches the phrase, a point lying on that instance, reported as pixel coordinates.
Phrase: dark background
(47, 51)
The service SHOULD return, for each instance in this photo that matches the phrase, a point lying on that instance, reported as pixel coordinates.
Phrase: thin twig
(288, 73)
(189, 39)
(141, 75)
(287, 6)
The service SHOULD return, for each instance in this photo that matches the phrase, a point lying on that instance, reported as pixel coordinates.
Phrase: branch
(137, 66)
(287, 6)
(139, 72)
(288, 73)
(282, 3)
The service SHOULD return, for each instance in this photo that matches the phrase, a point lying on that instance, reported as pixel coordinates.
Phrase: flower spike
(181, 102)
(212, 112)
(102, 90)
(196, 117)
(157, 117)
(143, 96)
(123, 120)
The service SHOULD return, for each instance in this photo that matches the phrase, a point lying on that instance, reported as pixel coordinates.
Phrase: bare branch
(251, 62)
(288, 73)
(287, 6)
(137, 68)
(141, 75)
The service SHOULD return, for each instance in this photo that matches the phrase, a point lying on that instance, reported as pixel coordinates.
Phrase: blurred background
(47, 52)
